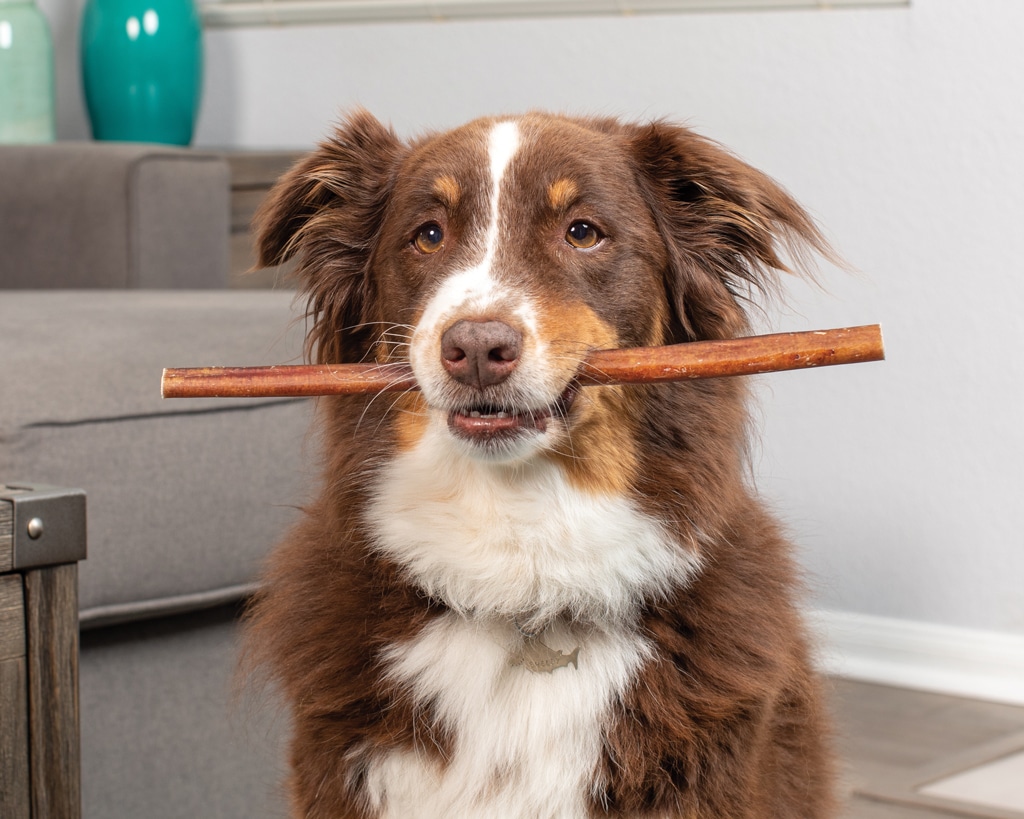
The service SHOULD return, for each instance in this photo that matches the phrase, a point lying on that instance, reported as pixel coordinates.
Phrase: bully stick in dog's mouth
(751, 355)
(513, 597)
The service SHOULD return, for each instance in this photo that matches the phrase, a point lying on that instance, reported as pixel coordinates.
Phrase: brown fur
(728, 722)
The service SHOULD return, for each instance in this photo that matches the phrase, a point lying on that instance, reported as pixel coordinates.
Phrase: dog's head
(493, 257)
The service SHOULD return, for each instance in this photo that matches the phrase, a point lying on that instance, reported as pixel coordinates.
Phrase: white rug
(996, 784)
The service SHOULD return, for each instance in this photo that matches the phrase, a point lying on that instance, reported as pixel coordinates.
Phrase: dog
(515, 597)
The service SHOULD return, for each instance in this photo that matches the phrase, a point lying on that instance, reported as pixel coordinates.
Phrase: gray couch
(184, 496)
(80, 214)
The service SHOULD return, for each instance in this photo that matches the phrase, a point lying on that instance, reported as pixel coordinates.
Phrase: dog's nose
(480, 353)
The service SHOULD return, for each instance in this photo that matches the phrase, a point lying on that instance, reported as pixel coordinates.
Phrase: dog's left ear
(726, 226)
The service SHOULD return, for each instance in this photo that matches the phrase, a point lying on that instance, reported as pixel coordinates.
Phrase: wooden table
(42, 538)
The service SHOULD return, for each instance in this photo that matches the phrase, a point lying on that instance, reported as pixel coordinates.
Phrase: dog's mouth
(484, 423)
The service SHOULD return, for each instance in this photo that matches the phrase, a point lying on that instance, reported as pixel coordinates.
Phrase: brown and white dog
(515, 598)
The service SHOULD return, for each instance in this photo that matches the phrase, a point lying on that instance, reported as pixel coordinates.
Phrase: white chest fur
(518, 540)
(497, 542)
(525, 744)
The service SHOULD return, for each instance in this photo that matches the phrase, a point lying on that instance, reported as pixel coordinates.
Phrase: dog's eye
(582, 235)
(429, 238)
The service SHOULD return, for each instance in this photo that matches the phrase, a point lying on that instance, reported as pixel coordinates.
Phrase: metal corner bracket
(49, 524)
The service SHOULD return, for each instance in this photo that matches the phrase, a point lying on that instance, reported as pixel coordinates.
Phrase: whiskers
(390, 352)
(573, 354)
(391, 344)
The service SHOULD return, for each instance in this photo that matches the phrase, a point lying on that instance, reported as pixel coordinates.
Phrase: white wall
(901, 129)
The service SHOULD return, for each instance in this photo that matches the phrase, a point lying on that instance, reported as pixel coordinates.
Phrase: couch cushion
(184, 496)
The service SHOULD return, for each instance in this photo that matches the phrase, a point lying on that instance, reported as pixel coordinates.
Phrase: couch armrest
(113, 215)
(185, 496)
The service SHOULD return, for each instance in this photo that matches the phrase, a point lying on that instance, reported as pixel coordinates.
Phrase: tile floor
(915, 755)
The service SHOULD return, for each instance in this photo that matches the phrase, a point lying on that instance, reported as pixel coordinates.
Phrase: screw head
(35, 528)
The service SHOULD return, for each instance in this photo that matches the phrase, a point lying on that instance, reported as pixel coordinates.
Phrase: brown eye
(582, 235)
(429, 238)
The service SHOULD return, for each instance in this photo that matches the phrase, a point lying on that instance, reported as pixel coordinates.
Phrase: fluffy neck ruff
(520, 541)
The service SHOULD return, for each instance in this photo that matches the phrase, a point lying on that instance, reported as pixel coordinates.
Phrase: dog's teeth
(488, 414)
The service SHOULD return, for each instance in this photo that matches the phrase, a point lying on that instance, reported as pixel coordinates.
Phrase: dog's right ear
(326, 213)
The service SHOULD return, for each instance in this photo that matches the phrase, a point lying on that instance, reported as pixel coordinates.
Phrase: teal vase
(26, 73)
(142, 69)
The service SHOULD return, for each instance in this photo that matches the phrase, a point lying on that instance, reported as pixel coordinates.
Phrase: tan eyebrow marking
(448, 191)
(562, 193)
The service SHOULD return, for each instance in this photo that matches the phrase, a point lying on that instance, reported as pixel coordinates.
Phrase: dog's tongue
(486, 422)
(487, 425)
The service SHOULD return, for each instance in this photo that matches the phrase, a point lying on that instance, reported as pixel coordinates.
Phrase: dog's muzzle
(481, 355)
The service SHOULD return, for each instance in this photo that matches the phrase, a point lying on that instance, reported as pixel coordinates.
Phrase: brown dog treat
(777, 352)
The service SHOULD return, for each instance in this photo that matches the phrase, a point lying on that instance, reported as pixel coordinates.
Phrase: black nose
(480, 353)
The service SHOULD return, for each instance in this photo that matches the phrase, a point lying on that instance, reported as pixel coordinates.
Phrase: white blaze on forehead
(502, 146)
(473, 287)
(476, 292)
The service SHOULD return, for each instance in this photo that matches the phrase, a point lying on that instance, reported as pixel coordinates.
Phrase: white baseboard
(963, 662)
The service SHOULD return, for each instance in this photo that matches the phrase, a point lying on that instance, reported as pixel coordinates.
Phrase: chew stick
(638, 365)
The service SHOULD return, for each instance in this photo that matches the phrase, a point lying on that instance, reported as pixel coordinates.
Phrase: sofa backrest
(113, 215)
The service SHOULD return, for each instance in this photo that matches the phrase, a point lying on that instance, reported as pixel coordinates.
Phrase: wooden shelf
(253, 174)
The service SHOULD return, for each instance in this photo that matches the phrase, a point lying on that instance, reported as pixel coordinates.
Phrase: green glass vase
(26, 73)
(142, 69)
